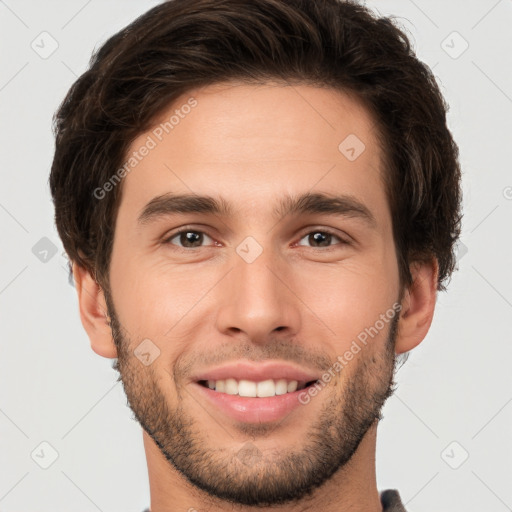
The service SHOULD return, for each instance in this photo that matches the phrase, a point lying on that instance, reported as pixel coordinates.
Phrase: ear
(93, 312)
(417, 306)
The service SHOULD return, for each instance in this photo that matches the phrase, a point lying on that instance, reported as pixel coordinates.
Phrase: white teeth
(292, 386)
(250, 388)
(281, 387)
(231, 387)
(247, 388)
(265, 388)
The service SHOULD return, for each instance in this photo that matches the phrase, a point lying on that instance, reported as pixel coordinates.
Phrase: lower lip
(250, 409)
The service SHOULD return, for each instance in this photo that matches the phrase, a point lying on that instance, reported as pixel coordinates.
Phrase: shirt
(390, 500)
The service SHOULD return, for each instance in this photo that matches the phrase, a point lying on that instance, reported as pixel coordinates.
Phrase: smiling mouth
(261, 389)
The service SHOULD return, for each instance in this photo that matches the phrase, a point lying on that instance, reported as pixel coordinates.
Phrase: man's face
(258, 287)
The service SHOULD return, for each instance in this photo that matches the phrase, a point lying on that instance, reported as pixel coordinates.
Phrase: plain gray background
(445, 440)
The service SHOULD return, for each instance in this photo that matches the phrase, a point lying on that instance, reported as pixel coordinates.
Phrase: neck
(352, 488)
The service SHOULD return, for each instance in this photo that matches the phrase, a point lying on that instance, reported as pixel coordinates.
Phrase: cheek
(350, 298)
(158, 301)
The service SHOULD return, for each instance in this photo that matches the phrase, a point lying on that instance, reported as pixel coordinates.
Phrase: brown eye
(188, 239)
(321, 239)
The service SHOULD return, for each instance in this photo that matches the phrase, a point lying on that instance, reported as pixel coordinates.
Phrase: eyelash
(189, 230)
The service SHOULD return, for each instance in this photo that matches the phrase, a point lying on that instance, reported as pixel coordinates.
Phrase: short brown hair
(180, 45)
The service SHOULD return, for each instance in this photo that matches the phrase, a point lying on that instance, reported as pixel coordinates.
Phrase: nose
(258, 300)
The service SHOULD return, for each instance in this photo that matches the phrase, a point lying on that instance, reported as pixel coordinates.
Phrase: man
(260, 201)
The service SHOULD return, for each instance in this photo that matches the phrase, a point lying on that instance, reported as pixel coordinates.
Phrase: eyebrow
(320, 203)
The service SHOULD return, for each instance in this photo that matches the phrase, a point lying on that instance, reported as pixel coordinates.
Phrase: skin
(297, 301)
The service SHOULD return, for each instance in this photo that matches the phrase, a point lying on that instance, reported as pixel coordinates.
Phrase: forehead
(254, 142)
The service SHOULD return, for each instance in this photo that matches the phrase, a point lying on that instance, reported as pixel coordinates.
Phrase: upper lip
(242, 370)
